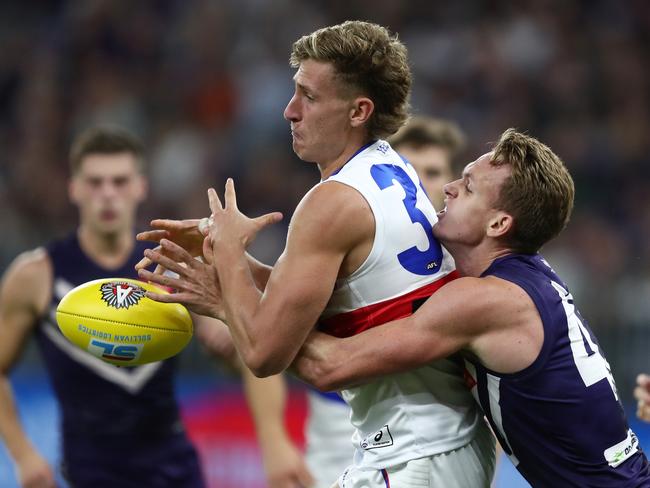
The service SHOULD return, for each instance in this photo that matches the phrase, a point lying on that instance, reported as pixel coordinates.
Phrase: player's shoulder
(30, 273)
(491, 298)
(333, 210)
(335, 200)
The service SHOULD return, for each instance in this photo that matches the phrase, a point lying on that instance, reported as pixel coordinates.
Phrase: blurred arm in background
(24, 296)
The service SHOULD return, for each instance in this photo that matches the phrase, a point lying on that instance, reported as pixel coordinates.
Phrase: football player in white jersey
(430, 145)
(359, 252)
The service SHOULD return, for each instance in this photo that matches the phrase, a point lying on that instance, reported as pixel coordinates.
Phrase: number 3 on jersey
(425, 262)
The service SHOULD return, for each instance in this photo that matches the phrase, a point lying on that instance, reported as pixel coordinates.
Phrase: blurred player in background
(531, 360)
(120, 426)
(642, 395)
(430, 145)
(359, 253)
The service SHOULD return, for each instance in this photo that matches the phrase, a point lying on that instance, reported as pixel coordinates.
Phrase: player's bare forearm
(329, 363)
(260, 271)
(241, 298)
(13, 435)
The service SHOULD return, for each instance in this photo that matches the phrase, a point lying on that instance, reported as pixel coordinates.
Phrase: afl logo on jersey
(121, 294)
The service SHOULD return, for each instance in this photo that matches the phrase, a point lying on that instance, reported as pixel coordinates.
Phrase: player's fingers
(641, 394)
(166, 262)
(160, 279)
(151, 235)
(215, 203)
(230, 195)
(204, 225)
(164, 297)
(643, 380)
(643, 411)
(176, 252)
(208, 254)
(267, 219)
(143, 263)
(173, 225)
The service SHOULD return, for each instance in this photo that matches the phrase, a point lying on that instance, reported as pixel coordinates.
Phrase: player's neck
(109, 251)
(355, 146)
(473, 261)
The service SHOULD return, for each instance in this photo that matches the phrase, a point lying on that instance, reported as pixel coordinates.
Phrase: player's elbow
(325, 383)
(263, 364)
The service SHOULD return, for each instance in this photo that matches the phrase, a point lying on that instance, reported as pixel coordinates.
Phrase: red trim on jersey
(351, 323)
(384, 473)
(470, 382)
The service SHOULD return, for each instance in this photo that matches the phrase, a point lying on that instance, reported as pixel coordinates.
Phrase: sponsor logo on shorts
(381, 438)
(120, 294)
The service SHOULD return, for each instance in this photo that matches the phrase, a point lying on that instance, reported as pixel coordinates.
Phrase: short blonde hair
(538, 193)
(368, 59)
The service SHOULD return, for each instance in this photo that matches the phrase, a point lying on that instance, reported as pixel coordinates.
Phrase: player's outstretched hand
(229, 227)
(196, 284)
(33, 471)
(642, 394)
(185, 233)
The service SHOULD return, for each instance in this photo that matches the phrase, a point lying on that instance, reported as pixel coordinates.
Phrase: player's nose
(450, 189)
(291, 112)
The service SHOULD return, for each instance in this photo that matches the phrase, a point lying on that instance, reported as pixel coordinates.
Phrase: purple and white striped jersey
(119, 426)
(559, 420)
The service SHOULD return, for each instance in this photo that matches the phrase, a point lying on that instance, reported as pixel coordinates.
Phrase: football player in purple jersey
(119, 426)
(532, 362)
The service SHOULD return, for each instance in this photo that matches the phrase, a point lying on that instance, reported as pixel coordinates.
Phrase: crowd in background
(204, 83)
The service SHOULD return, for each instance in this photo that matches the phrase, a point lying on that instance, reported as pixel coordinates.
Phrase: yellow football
(112, 319)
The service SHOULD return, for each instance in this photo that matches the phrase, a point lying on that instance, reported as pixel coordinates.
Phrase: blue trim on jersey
(363, 148)
(384, 474)
(330, 395)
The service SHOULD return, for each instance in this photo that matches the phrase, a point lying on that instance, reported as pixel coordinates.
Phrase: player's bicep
(300, 286)
(302, 281)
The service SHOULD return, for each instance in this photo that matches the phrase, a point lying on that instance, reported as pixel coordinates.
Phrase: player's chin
(112, 227)
(438, 230)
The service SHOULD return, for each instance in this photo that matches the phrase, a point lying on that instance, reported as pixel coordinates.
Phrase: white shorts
(470, 466)
(328, 437)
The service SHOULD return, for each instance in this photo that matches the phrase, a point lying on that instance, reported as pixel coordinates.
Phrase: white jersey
(422, 412)
(327, 437)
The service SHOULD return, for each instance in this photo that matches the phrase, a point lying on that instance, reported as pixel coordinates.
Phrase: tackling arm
(468, 313)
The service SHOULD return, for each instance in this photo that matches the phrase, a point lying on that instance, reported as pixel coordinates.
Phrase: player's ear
(361, 110)
(499, 224)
